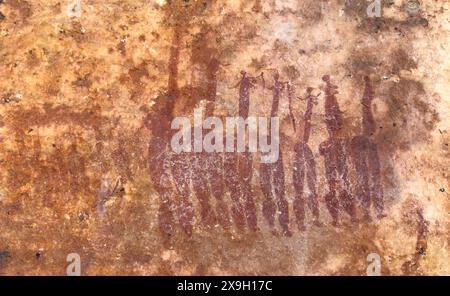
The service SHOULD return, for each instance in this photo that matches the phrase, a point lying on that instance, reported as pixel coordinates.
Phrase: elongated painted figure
(305, 167)
(207, 167)
(334, 152)
(238, 167)
(366, 160)
(272, 177)
(158, 122)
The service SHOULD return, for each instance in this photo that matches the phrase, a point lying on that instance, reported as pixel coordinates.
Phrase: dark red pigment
(272, 176)
(212, 175)
(305, 166)
(335, 155)
(366, 160)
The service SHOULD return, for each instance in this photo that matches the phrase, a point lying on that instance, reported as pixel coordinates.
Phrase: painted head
(333, 115)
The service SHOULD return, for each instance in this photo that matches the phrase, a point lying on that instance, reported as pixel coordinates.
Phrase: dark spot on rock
(76, 31)
(442, 190)
(155, 35)
(121, 47)
(403, 99)
(386, 24)
(10, 98)
(4, 257)
(401, 61)
(291, 72)
(138, 72)
(258, 64)
(200, 270)
(421, 251)
(257, 7)
(424, 22)
(39, 254)
(354, 7)
(310, 11)
(22, 6)
(2, 16)
(6, 99)
(32, 59)
(133, 79)
(82, 82)
(83, 216)
(367, 61)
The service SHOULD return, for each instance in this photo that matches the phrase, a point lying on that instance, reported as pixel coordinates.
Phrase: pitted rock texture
(87, 101)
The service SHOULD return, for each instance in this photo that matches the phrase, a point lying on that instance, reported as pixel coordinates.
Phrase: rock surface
(86, 101)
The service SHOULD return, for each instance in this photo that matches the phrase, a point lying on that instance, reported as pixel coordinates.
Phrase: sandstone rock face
(88, 93)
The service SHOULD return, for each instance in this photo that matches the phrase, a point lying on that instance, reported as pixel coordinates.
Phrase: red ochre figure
(304, 166)
(272, 177)
(366, 160)
(212, 174)
(205, 180)
(335, 156)
(238, 166)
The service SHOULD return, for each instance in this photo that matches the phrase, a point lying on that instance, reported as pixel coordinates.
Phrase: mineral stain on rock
(4, 257)
(22, 7)
(85, 137)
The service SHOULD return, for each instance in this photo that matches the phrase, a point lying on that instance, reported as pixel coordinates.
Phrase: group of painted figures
(178, 178)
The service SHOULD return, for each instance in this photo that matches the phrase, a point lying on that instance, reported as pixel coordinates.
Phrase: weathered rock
(87, 101)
